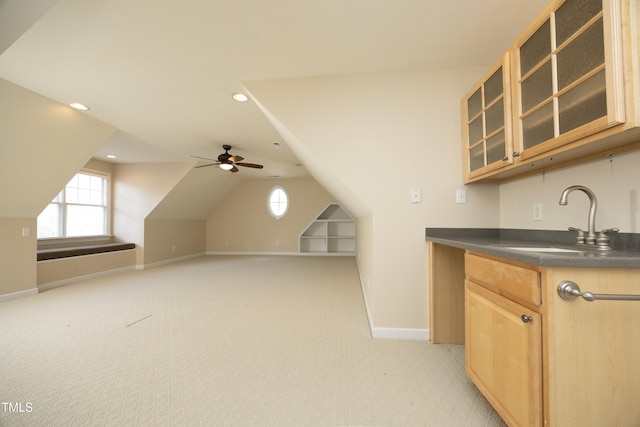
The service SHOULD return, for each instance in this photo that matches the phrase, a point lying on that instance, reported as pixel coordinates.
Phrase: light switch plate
(414, 196)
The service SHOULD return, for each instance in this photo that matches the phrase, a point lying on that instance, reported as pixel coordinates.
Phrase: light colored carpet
(223, 340)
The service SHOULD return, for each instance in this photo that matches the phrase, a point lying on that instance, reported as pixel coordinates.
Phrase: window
(80, 209)
(277, 202)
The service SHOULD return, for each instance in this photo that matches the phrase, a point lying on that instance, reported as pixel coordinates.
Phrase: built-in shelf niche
(333, 232)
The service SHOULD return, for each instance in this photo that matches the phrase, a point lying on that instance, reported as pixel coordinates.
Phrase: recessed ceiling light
(78, 106)
(240, 97)
(111, 156)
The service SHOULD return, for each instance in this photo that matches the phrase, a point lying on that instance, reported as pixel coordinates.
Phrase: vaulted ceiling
(162, 72)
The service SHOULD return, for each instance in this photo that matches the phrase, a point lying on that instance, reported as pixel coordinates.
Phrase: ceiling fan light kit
(228, 162)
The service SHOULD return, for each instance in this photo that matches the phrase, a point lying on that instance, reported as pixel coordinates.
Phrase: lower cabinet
(541, 360)
(504, 354)
(503, 337)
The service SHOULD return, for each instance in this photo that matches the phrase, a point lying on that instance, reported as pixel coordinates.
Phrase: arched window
(278, 202)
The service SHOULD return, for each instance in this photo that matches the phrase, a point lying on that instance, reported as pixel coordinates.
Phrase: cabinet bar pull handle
(569, 291)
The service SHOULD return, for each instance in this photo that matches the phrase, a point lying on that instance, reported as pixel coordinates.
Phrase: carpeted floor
(223, 340)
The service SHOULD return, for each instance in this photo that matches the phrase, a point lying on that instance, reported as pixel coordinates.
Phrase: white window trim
(277, 187)
(52, 241)
(44, 241)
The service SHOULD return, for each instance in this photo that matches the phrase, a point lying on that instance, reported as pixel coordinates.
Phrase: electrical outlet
(537, 211)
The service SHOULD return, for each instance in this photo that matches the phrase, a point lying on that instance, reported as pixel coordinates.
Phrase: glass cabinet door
(565, 82)
(487, 135)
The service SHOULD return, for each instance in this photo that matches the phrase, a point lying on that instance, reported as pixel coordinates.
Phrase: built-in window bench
(55, 253)
(59, 266)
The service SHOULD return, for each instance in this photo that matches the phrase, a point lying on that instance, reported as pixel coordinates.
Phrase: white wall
(242, 223)
(379, 136)
(616, 183)
(137, 189)
(42, 145)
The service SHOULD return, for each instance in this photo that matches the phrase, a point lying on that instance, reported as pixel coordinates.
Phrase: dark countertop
(496, 242)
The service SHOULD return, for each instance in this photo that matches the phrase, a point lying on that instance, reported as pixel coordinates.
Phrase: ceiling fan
(228, 162)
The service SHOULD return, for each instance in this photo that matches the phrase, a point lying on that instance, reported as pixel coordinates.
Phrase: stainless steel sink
(543, 249)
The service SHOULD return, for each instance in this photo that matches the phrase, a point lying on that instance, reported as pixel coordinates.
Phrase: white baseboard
(63, 282)
(254, 253)
(364, 297)
(19, 294)
(391, 333)
(280, 253)
(168, 261)
(400, 333)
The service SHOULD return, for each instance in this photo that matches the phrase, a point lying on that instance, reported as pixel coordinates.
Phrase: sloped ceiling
(194, 197)
(37, 159)
(16, 17)
(162, 72)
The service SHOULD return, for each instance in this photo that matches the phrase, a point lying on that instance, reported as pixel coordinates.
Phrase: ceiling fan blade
(204, 166)
(235, 159)
(203, 158)
(250, 165)
(234, 169)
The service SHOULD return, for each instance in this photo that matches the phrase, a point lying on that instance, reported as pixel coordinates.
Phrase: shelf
(335, 212)
(331, 233)
(313, 245)
(316, 229)
(341, 229)
(341, 245)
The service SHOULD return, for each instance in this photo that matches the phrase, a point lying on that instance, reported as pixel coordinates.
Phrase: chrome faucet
(593, 240)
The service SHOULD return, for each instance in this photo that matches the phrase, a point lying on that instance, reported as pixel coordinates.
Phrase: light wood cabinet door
(593, 350)
(487, 122)
(571, 93)
(503, 354)
(569, 75)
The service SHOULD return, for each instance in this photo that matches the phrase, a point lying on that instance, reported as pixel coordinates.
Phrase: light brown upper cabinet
(573, 91)
(486, 115)
(569, 76)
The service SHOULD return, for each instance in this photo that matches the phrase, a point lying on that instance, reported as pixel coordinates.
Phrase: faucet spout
(591, 233)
